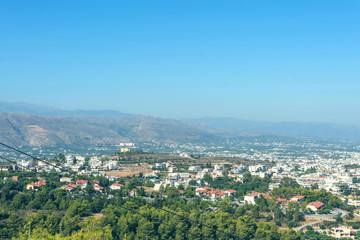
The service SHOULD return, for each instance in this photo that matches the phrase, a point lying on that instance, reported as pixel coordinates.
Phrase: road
(322, 217)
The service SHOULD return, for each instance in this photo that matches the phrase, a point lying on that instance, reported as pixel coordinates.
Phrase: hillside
(24, 129)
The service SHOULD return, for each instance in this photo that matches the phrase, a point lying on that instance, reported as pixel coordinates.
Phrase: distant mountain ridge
(34, 109)
(29, 124)
(309, 129)
(33, 130)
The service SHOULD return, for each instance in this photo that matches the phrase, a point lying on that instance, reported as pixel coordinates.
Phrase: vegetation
(53, 213)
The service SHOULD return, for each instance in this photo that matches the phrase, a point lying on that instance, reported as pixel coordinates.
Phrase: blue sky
(255, 60)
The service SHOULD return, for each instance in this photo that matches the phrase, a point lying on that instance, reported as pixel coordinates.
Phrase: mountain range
(315, 130)
(36, 125)
(34, 109)
(34, 130)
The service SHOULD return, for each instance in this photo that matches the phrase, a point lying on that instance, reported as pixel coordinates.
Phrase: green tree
(245, 228)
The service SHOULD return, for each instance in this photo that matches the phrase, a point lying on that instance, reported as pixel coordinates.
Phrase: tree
(207, 178)
(92, 229)
(267, 231)
(79, 208)
(224, 205)
(146, 230)
(245, 228)
(289, 182)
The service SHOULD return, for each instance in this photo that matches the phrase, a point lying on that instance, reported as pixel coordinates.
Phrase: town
(320, 195)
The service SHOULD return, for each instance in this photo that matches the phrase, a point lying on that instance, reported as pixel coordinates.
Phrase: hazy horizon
(180, 118)
(294, 61)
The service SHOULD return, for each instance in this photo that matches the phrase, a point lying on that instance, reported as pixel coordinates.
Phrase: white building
(251, 198)
(195, 168)
(116, 186)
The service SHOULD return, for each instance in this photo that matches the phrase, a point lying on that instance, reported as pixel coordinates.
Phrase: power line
(197, 222)
(13, 162)
(149, 218)
(37, 159)
(14, 149)
(8, 139)
(193, 221)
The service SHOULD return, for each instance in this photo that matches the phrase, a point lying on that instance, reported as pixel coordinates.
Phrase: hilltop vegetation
(53, 213)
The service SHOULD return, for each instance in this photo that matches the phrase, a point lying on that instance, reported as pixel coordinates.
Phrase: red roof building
(214, 193)
(36, 185)
(316, 206)
(116, 186)
(298, 199)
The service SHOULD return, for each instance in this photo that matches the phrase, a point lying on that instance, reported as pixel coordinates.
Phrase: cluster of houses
(314, 206)
(214, 193)
(344, 232)
(36, 185)
(252, 197)
(71, 186)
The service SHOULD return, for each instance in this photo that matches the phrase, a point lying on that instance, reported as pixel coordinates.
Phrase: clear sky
(254, 60)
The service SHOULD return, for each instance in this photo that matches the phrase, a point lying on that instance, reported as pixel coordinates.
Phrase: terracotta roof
(117, 185)
(254, 194)
(67, 187)
(296, 198)
(81, 181)
(38, 184)
(316, 204)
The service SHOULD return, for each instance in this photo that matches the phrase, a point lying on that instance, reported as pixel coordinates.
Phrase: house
(230, 192)
(94, 182)
(65, 179)
(133, 193)
(172, 169)
(343, 232)
(316, 206)
(282, 200)
(298, 199)
(272, 186)
(257, 168)
(36, 185)
(251, 198)
(68, 188)
(214, 193)
(195, 168)
(82, 183)
(160, 165)
(15, 178)
(98, 188)
(116, 186)
(185, 155)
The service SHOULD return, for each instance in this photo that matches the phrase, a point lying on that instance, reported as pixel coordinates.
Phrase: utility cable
(198, 223)
(37, 159)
